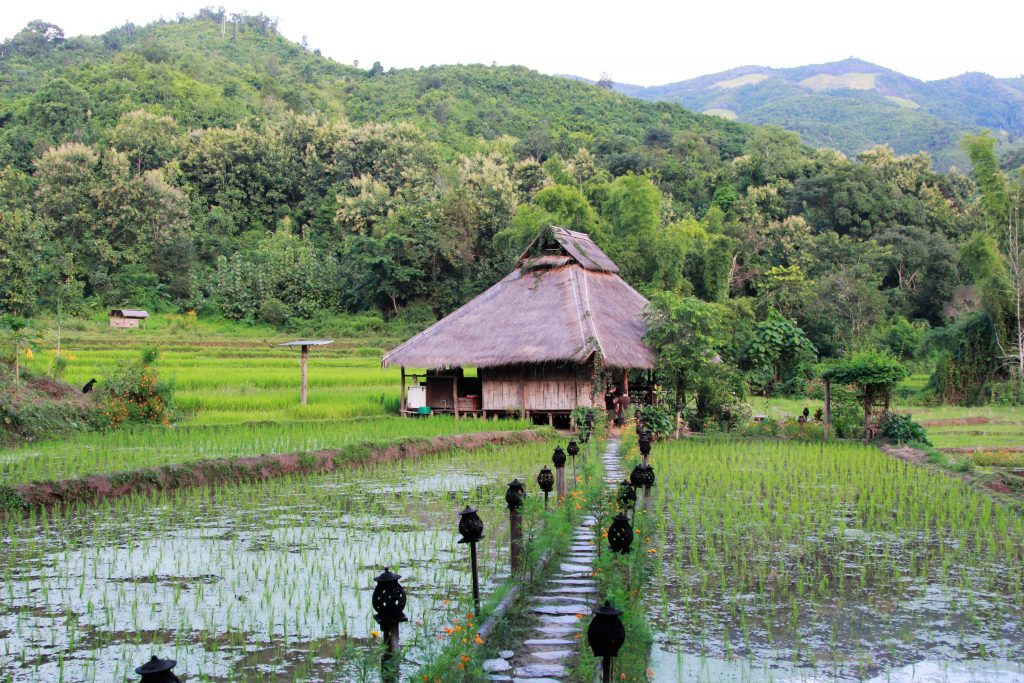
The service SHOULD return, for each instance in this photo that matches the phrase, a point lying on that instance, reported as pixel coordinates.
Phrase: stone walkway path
(544, 655)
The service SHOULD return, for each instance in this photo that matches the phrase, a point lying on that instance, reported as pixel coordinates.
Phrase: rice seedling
(782, 560)
(268, 581)
(131, 449)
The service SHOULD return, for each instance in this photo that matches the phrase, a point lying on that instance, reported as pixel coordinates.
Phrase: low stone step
(547, 642)
(557, 620)
(551, 655)
(560, 609)
(541, 679)
(555, 630)
(499, 677)
(573, 590)
(535, 671)
(574, 582)
(574, 568)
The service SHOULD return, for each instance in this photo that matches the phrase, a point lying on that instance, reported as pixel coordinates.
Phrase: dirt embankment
(96, 488)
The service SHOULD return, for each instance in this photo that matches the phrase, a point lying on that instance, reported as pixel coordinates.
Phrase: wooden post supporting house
(304, 361)
(401, 403)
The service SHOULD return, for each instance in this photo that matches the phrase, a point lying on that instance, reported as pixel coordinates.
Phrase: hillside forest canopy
(208, 164)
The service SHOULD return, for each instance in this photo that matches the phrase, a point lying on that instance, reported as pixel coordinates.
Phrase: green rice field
(256, 582)
(808, 562)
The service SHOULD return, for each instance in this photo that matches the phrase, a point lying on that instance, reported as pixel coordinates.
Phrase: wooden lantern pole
(304, 360)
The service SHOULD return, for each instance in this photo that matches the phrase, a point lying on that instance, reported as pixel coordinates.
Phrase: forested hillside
(210, 164)
(853, 105)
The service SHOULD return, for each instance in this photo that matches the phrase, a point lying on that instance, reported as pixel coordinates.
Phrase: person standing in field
(610, 395)
(622, 404)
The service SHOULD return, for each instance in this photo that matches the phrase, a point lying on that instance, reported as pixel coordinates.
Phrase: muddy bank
(96, 488)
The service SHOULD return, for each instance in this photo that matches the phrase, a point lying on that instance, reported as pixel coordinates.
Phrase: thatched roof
(563, 303)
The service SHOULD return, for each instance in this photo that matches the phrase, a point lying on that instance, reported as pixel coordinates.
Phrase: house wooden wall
(537, 388)
(124, 322)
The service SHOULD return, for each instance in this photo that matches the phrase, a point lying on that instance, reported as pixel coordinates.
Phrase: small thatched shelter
(537, 338)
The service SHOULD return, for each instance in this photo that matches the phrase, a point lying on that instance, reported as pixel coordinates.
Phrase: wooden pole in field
(827, 416)
(304, 362)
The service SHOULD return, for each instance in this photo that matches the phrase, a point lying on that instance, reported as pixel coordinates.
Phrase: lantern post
(648, 482)
(558, 458)
(626, 496)
(388, 605)
(606, 634)
(546, 482)
(514, 497)
(158, 670)
(644, 442)
(472, 529)
(573, 450)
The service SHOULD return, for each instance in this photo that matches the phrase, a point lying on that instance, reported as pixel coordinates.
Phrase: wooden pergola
(304, 359)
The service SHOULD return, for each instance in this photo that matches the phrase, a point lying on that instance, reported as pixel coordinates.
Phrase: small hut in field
(538, 338)
(126, 317)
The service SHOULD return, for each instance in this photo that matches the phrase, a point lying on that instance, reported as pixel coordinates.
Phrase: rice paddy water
(790, 561)
(267, 581)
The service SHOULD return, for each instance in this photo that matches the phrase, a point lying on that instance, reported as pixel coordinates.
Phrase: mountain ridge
(853, 104)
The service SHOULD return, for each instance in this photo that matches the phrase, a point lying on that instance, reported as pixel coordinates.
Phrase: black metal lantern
(470, 526)
(546, 480)
(558, 457)
(606, 634)
(645, 446)
(627, 494)
(636, 477)
(158, 670)
(388, 599)
(589, 419)
(648, 476)
(573, 448)
(515, 495)
(620, 534)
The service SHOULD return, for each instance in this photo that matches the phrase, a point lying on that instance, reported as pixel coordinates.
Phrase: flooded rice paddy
(792, 562)
(268, 581)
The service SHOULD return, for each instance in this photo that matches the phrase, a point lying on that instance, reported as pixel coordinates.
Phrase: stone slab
(547, 642)
(560, 609)
(540, 670)
(492, 666)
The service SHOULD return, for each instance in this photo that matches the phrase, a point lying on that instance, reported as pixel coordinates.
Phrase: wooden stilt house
(538, 338)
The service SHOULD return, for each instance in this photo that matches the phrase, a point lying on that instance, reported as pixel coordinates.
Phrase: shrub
(903, 429)
(274, 311)
(659, 419)
(134, 392)
(1007, 393)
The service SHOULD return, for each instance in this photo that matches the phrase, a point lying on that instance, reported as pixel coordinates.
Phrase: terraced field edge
(99, 487)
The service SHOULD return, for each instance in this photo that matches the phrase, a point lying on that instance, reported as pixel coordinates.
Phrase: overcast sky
(636, 42)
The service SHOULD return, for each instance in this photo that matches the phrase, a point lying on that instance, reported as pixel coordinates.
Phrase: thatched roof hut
(563, 311)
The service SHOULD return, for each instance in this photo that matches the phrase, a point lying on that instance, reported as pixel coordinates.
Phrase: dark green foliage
(870, 370)
(780, 356)
(967, 356)
(659, 419)
(903, 429)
